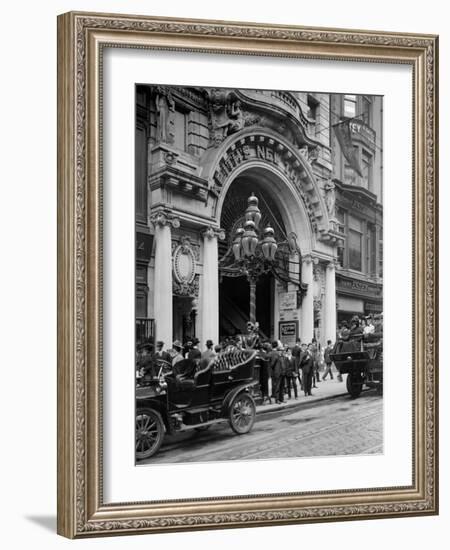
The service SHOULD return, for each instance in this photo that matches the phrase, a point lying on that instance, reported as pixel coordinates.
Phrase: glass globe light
(269, 245)
(237, 243)
(249, 239)
(253, 213)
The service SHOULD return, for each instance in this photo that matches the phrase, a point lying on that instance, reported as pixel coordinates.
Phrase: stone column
(209, 295)
(163, 277)
(307, 317)
(330, 302)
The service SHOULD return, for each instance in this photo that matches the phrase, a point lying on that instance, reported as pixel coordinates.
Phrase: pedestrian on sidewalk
(297, 354)
(264, 358)
(307, 366)
(277, 372)
(328, 361)
(316, 361)
(291, 374)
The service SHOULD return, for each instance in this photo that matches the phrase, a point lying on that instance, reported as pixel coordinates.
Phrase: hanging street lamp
(254, 255)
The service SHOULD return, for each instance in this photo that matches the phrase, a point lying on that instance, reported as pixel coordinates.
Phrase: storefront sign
(288, 331)
(288, 300)
(358, 288)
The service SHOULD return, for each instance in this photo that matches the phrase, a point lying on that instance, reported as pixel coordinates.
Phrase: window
(367, 110)
(340, 215)
(350, 106)
(313, 108)
(366, 166)
(380, 255)
(354, 240)
(180, 140)
(349, 175)
(141, 173)
(141, 291)
(371, 250)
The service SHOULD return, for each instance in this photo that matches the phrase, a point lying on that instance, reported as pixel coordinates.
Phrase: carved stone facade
(203, 147)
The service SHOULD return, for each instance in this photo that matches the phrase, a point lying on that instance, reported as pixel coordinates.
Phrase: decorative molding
(317, 304)
(188, 289)
(78, 479)
(198, 27)
(211, 232)
(183, 263)
(162, 217)
(189, 241)
(264, 145)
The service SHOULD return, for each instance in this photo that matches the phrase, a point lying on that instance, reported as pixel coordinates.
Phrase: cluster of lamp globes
(246, 239)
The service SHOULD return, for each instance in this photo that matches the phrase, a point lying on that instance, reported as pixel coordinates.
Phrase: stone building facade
(200, 152)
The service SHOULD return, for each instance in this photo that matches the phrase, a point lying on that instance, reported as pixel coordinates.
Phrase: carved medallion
(183, 262)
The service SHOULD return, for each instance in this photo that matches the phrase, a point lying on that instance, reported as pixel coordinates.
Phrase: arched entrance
(234, 288)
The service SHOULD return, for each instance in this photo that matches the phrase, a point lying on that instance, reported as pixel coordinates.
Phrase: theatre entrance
(234, 287)
(234, 305)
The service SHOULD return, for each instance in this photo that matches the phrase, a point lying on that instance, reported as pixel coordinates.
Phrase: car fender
(232, 394)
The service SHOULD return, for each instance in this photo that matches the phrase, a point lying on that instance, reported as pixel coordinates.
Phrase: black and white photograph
(258, 274)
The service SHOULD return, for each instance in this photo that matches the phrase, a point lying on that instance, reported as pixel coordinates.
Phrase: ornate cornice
(163, 217)
(262, 145)
(252, 31)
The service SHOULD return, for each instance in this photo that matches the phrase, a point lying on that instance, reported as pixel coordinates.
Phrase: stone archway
(259, 147)
(272, 164)
(284, 211)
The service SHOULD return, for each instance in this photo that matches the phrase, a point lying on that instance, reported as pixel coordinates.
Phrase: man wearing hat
(146, 361)
(178, 348)
(161, 353)
(195, 353)
(209, 352)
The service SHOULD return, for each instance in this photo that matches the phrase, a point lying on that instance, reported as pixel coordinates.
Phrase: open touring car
(191, 396)
(361, 358)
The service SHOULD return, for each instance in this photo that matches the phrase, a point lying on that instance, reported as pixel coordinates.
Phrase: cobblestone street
(336, 426)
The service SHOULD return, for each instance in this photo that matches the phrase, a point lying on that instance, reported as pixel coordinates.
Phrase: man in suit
(296, 354)
(276, 370)
(209, 352)
(307, 366)
(178, 348)
(328, 361)
(264, 357)
(161, 354)
(146, 363)
(291, 373)
(195, 354)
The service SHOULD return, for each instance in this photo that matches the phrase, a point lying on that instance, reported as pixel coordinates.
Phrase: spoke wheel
(354, 385)
(149, 433)
(242, 413)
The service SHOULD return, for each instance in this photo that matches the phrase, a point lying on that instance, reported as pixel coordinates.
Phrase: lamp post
(254, 255)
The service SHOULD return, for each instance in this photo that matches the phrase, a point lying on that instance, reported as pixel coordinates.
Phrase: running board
(185, 427)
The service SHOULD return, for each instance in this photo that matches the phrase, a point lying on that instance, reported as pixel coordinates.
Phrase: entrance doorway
(234, 305)
(234, 290)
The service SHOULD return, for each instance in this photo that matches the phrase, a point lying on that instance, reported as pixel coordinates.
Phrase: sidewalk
(324, 390)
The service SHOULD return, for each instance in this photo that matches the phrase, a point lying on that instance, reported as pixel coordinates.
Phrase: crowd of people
(284, 371)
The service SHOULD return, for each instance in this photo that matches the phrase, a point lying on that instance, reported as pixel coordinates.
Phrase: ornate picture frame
(82, 37)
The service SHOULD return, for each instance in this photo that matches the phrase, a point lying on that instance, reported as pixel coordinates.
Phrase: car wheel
(242, 413)
(149, 433)
(354, 385)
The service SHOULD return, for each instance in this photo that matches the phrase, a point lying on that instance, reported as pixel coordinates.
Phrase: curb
(264, 409)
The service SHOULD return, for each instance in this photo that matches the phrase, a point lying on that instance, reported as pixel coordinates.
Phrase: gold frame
(81, 37)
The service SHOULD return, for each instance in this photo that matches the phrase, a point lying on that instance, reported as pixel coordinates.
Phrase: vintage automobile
(361, 358)
(192, 396)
